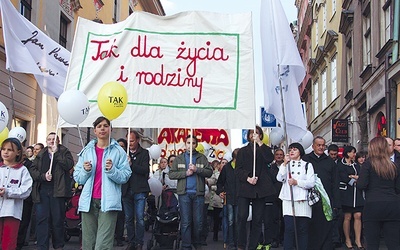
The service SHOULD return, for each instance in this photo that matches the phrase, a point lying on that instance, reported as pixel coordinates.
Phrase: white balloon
(73, 106)
(155, 186)
(228, 155)
(308, 150)
(207, 148)
(17, 132)
(307, 140)
(3, 116)
(276, 136)
(155, 151)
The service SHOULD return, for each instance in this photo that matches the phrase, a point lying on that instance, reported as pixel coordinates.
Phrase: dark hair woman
(380, 179)
(297, 176)
(351, 196)
(361, 156)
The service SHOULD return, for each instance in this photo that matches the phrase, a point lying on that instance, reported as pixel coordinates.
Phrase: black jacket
(62, 164)
(274, 168)
(350, 194)
(244, 169)
(227, 182)
(140, 166)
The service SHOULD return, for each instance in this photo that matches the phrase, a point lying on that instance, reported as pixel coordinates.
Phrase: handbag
(313, 195)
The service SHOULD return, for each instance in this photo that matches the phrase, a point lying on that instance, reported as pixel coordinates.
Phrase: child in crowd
(15, 186)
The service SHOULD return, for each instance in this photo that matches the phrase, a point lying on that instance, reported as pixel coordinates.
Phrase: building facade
(354, 68)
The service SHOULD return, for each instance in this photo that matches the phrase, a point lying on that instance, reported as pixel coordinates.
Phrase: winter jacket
(140, 167)
(62, 164)
(350, 194)
(163, 177)
(216, 200)
(111, 180)
(18, 184)
(274, 168)
(305, 180)
(178, 172)
(227, 182)
(244, 169)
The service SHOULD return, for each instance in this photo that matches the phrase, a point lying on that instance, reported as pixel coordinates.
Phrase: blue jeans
(134, 205)
(49, 210)
(191, 210)
(229, 223)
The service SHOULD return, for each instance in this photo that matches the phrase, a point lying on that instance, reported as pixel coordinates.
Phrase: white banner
(193, 69)
(281, 62)
(31, 51)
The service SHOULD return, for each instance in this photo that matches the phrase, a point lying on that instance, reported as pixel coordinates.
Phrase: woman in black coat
(253, 187)
(351, 197)
(380, 178)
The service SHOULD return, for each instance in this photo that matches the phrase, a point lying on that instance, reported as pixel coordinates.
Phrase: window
(333, 78)
(324, 90)
(63, 31)
(316, 108)
(385, 22)
(349, 58)
(367, 37)
(26, 8)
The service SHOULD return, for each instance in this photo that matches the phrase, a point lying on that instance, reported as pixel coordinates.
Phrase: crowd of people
(358, 193)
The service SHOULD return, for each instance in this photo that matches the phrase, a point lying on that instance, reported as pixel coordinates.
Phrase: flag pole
(285, 146)
(12, 88)
(254, 155)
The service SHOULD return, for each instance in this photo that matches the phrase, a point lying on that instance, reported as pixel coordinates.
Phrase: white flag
(30, 51)
(279, 50)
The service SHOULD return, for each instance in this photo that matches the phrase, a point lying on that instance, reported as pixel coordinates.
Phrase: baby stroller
(166, 226)
(72, 223)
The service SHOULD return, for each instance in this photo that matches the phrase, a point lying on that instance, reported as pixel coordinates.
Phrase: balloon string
(80, 136)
